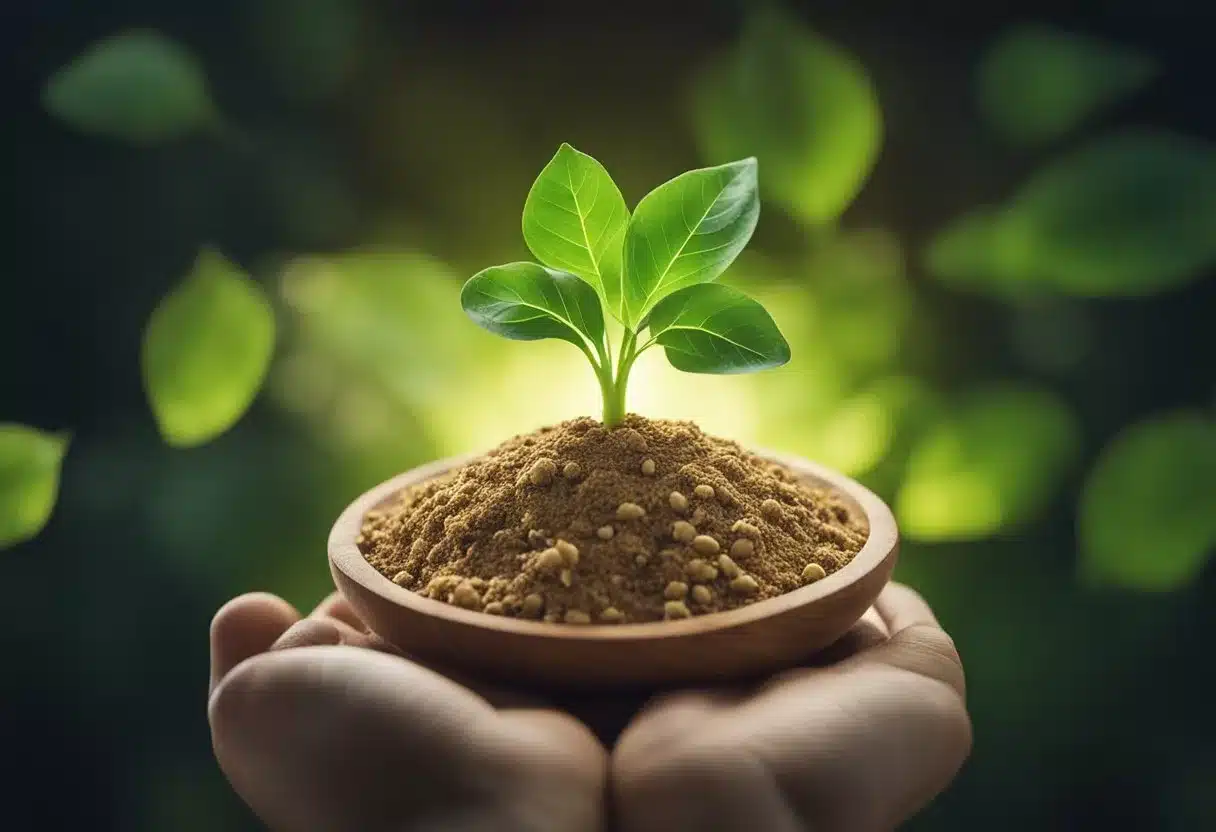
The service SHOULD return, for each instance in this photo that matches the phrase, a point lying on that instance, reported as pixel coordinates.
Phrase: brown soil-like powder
(583, 524)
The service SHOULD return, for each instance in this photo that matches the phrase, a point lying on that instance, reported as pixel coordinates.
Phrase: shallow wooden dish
(760, 638)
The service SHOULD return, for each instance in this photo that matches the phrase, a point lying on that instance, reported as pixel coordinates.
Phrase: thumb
(341, 738)
(917, 642)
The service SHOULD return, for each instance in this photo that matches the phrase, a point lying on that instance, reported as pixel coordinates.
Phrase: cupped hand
(321, 728)
(857, 744)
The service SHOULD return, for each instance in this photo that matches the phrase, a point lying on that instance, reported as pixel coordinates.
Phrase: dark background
(1091, 699)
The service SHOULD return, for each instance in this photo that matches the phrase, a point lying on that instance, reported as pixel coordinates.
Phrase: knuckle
(934, 654)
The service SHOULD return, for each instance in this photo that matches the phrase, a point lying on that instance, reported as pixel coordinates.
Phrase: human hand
(320, 728)
(858, 745)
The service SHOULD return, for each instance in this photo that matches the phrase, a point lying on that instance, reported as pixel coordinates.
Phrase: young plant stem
(613, 388)
(603, 372)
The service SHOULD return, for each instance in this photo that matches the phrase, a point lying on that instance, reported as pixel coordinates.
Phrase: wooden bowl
(757, 639)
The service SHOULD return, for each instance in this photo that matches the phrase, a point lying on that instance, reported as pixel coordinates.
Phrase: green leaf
(865, 302)
(206, 351)
(29, 480)
(872, 427)
(575, 219)
(1037, 83)
(687, 231)
(1147, 518)
(527, 302)
(989, 466)
(138, 86)
(977, 252)
(310, 47)
(711, 328)
(371, 310)
(1128, 215)
(801, 104)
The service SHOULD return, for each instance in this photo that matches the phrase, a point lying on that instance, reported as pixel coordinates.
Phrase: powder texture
(576, 523)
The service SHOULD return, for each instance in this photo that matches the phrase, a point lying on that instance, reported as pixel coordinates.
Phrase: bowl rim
(345, 556)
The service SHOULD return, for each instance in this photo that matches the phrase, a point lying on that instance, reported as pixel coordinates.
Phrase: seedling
(653, 270)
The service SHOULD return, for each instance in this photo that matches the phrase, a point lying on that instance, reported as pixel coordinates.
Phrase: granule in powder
(570, 524)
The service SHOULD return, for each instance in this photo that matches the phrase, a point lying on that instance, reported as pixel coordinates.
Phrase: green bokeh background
(363, 158)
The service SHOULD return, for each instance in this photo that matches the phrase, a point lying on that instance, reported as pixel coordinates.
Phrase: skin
(320, 726)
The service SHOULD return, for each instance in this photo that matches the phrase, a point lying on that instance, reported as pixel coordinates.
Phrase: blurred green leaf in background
(29, 480)
(206, 351)
(310, 47)
(867, 305)
(1148, 508)
(380, 356)
(875, 425)
(137, 86)
(801, 104)
(990, 466)
(1128, 214)
(370, 313)
(1037, 83)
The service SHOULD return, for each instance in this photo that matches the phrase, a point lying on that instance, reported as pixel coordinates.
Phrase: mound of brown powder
(581, 524)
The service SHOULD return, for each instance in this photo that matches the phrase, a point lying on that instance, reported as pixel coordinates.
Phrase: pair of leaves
(801, 104)
(136, 86)
(684, 232)
(649, 269)
(206, 351)
(29, 480)
(1129, 214)
(1146, 519)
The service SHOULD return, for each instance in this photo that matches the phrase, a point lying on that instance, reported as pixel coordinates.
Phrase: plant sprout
(653, 270)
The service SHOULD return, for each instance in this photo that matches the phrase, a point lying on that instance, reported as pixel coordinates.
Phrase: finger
(549, 740)
(544, 728)
(245, 626)
(330, 737)
(862, 745)
(899, 606)
(321, 630)
(331, 624)
(308, 736)
(918, 643)
(308, 632)
(337, 607)
(677, 766)
(870, 630)
(874, 622)
(666, 719)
